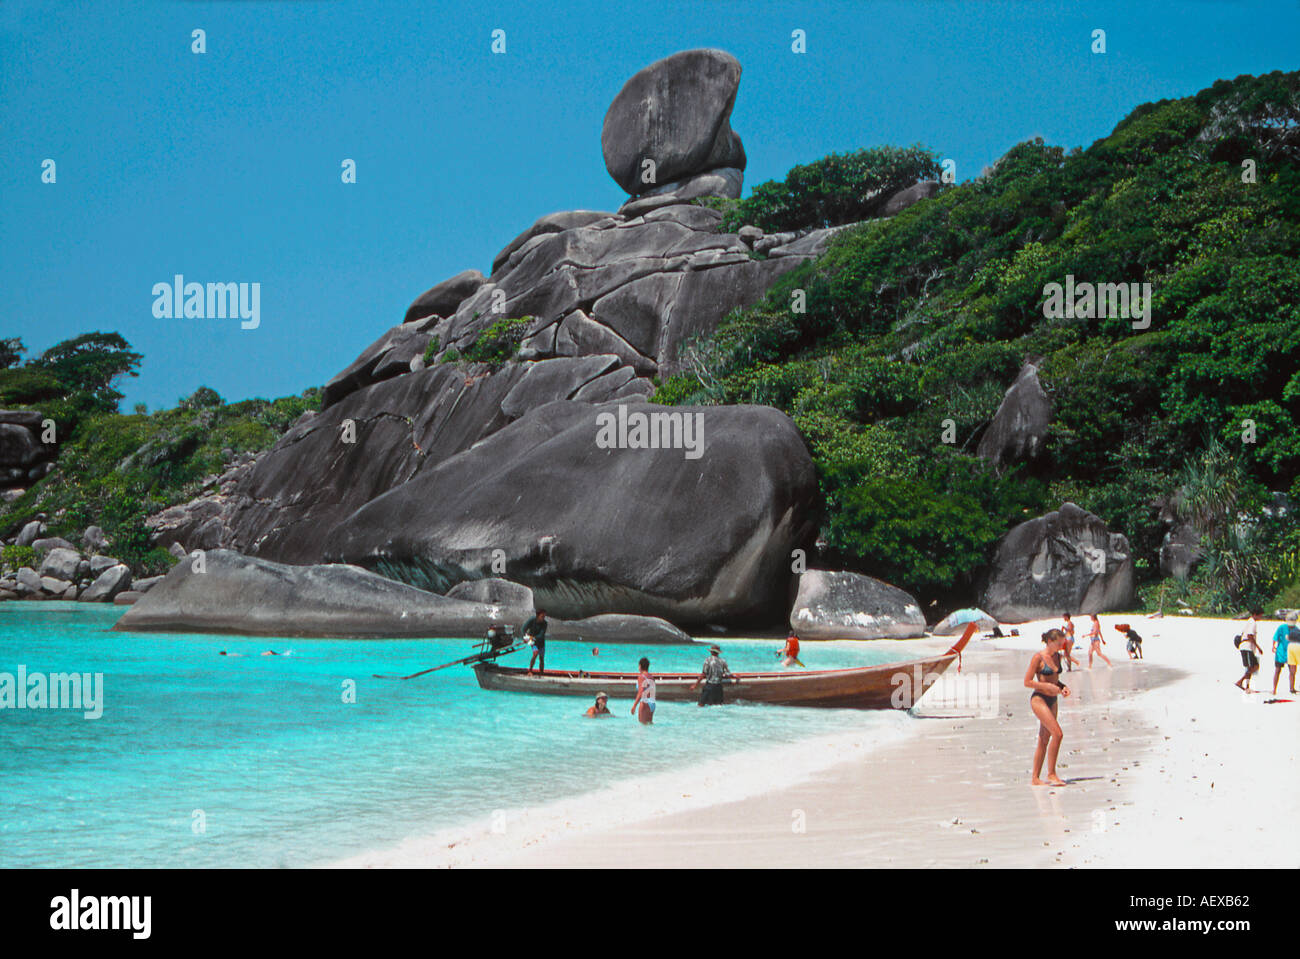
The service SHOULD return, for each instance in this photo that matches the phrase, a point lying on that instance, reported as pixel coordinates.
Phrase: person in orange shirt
(790, 651)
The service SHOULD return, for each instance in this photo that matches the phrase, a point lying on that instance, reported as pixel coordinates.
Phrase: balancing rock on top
(674, 112)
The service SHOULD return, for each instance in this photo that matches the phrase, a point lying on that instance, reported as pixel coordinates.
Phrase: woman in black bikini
(1044, 678)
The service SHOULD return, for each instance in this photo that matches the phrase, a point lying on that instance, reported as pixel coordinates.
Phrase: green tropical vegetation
(837, 189)
(494, 346)
(914, 326)
(116, 469)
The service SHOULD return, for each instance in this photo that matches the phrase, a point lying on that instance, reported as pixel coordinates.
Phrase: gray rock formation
(616, 628)
(1180, 551)
(27, 582)
(674, 112)
(842, 605)
(240, 594)
(612, 300)
(1018, 430)
(61, 563)
(23, 456)
(108, 584)
(99, 563)
(443, 299)
(54, 585)
(909, 196)
(45, 544)
(1064, 562)
(643, 531)
(495, 592)
(30, 533)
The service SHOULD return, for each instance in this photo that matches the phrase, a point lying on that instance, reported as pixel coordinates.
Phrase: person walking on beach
(1069, 643)
(600, 708)
(1248, 643)
(1095, 642)
(790, 652)
(713, 674)
(1286, 646)
(1044, 677)
(645, 694)
(1134, 644)
(535, 636)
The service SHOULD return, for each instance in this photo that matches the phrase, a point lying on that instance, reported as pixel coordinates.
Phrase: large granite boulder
(843, 605)
(551, 223)
(30, 533)
(1180, 550)
(909, 196)
(243, 594)
(693, 538)
(388, 356)
(61, 563)
(18, 446)
(114, 580)
(443, 299)
(674, 112)
(494, 591)
(616, 628)
(1064, 562)
(1018, 429)
(27, 582)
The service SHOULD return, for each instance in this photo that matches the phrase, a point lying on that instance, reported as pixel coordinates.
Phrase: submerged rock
(843, 605)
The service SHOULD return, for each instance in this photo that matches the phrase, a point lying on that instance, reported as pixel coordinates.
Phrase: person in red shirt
(790, 652)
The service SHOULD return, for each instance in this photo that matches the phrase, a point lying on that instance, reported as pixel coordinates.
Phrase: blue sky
(225, 166)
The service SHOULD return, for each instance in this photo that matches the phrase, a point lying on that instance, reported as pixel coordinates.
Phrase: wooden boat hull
(890, 686)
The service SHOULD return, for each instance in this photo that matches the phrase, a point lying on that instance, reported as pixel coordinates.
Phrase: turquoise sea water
(283, 772)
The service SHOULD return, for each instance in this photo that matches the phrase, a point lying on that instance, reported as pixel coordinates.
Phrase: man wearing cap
(713, 675)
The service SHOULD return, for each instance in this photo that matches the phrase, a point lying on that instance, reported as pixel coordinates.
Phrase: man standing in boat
(535, 636)
(713, 675)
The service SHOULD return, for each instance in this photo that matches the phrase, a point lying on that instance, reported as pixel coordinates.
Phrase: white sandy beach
(1167, 764)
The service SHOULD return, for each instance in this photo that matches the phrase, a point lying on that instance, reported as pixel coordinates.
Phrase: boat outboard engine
(499, 637)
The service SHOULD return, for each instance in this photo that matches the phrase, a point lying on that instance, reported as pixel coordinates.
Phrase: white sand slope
(1168, 765)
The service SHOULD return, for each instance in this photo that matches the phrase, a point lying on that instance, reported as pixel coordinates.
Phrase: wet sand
(1166, 763)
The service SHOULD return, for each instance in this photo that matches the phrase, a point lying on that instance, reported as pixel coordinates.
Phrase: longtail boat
(888, 686)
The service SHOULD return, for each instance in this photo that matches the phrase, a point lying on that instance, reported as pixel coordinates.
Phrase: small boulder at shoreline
(843, 605)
